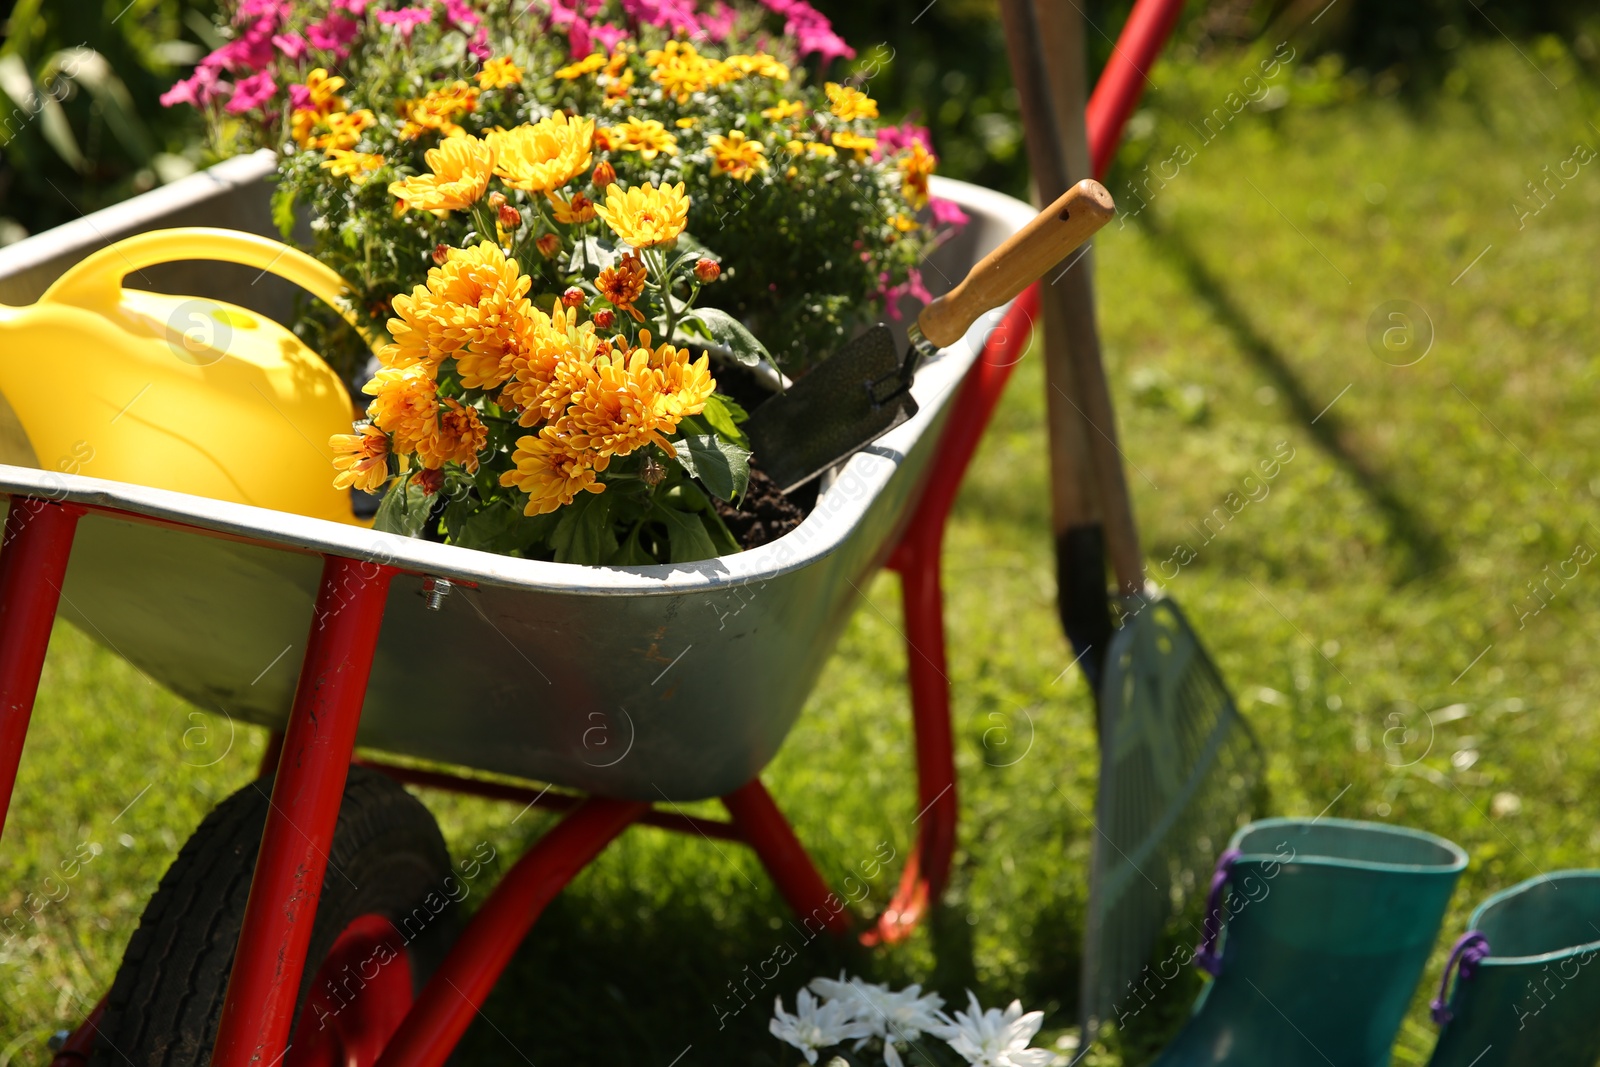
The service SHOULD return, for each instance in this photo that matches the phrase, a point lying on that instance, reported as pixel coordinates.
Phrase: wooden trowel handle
(1015, 265)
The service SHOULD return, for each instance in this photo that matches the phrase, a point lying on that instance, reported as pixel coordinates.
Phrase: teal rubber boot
(1528, 994)
(1328, 926)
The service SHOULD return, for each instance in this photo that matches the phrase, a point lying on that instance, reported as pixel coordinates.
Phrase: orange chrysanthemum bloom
(361, 458)
(850, 104)
(543, 373)
(472, 300)
(499, 73)
(492, 358)
(623, 284)
(458, 436)
(617, 407)
(648, 137)
(646, 215)
(551, 473)
(461, 168)
(545, 155)
(405, 405)
(685, 386)
(915, 169)
(736, 156)
(578, 210)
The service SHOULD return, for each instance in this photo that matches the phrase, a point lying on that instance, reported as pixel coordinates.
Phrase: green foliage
(80, 123)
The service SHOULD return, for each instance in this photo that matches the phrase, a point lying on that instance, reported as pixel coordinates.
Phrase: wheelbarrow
(694, 674)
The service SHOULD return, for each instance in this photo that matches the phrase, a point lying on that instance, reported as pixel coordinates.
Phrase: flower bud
(707, 270)
(604, 319)
(548, 245)
(604, 175)
(497, 201)
(509, 217)
(573, 297)
(430, 481)
(652, 473)
(441, 252)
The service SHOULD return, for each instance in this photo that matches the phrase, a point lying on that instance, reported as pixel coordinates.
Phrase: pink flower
(581, 36)
(478, 46)
(290, 44)
(459, 16)
(892, 139)
(407, 19)
(275, 10)
(250, 93)
(609, 36)
(198, 90)
(250, 51)
(719, 22)
(811, 30)
(911, 287)
(355, 7)
(299, 96)
(947, 212)
(333, 34)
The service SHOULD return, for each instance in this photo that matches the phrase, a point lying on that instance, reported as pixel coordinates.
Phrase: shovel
(863, 391)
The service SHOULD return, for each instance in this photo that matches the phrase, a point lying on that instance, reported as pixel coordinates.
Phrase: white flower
(897, 1018)
(994, 1038)
(812, 1028)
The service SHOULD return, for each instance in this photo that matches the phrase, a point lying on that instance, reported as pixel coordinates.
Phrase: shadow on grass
(1420, 548)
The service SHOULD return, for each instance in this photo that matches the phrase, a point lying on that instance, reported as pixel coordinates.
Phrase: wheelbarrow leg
(764, 829)
(452, 997)
(33, 561)
(267, 968)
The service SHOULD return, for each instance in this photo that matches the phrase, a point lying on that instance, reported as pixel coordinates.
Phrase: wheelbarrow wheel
(384, 921)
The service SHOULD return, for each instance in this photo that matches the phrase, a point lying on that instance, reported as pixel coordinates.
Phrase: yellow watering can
(175, 392)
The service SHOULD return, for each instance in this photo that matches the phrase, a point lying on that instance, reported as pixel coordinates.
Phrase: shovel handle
(1019, 262)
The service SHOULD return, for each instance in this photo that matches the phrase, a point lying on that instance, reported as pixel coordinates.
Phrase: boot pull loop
(1469, 950)
(1206, 956)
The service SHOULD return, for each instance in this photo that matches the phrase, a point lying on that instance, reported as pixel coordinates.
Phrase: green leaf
(722, 328)
(594, 255)
(686, 535)
(583, 534)
(403, 511)
(721, 466)
(493, 529)
(723, 414)
(283, 209)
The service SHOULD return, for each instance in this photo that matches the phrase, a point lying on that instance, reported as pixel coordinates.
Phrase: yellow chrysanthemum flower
(499, 73)
(587, 65)
(472, 300)
(617, 406)
(438, 111)
(783, 109)
(458, 436)
(915, 169)
(322, 101)
(344, 129)
(545, 155)
(759, 64)
(545, 373)
(573, 212)
(323, 89)
(681, 71)
(461, 168)
(688, 122)
(353, 165)
(648, 137)
(849, 142)
(405, 405)
(361, 458)
(904, 223)
(550, 472)
(850, 104)
(737, 156)
(646, 215)
(685, 386)
(619, 87)
(825, 151)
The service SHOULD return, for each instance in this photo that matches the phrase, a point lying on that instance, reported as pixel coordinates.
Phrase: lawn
(1375, 611)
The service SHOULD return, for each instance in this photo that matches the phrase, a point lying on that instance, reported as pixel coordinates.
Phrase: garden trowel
(864, 390)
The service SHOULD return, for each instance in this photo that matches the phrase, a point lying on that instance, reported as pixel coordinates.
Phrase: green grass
(1378, 580)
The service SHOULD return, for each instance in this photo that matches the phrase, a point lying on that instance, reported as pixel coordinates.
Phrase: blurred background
(1385, 614)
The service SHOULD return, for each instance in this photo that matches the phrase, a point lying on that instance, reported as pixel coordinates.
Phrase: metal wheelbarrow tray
(627, 686)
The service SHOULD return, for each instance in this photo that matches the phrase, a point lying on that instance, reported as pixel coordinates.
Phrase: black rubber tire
(388, 857)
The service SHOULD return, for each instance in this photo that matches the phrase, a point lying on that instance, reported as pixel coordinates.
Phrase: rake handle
(1027, 254)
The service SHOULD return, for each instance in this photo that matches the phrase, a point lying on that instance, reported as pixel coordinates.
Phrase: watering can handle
(95, 283)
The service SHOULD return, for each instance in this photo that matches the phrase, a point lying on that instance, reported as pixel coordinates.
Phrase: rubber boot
(1328, 925)
(1529, 989)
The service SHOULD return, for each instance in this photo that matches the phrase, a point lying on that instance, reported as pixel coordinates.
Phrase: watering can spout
(161, 390)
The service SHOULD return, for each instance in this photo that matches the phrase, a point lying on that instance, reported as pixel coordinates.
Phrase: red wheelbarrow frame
(313, 756)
